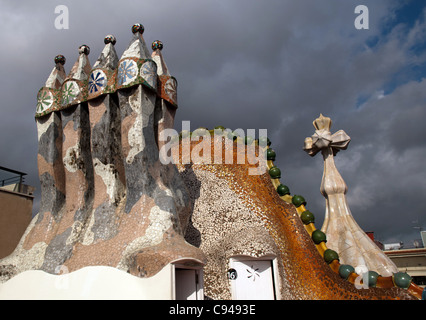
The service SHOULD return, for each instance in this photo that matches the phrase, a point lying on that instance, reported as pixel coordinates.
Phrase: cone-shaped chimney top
(81, 69)
(137, 47)
(167, 87)
(108, 58)
(47, 96)
(58, 75)
(103, 70)
(157, 56)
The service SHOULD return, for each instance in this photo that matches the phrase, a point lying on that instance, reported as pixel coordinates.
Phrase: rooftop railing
(12, 177)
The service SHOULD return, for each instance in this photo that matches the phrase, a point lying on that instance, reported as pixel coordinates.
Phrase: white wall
(92, 283)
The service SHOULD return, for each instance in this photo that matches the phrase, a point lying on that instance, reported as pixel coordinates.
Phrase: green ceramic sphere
(264, 141)
(174, 139)
(402, 280)
(330, 256)
(275, 173)
(307, 217)
(270, 154)
(318, 236)
(248, 140)
(200, 132)
(219, 128)
(345, 271)
(298, 200)
(283, 190)
(372, 278)
(185, 134)
(233, 135)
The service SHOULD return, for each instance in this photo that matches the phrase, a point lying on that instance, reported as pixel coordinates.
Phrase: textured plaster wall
(223, 227)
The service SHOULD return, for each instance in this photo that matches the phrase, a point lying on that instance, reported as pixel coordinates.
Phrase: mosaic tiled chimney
(106, 198)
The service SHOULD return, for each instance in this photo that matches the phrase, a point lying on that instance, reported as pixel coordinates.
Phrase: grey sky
(248, 64)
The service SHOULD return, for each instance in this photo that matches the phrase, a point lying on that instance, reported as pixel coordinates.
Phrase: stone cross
(343, 233)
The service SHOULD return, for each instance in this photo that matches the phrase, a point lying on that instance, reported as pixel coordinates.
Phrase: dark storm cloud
(248, 64)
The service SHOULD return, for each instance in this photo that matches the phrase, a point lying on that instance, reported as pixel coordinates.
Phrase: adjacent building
(410, 260)
(16, 202)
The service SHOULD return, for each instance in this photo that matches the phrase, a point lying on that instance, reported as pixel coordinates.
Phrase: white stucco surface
(94, 283)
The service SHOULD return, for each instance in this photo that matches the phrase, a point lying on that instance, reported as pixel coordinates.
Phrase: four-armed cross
(343, 233)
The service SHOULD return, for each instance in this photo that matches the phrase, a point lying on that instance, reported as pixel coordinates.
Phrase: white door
(186, 284)
(253, 280)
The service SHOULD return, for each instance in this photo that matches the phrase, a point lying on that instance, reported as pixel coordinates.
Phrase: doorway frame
(274, 268)
(199, 273)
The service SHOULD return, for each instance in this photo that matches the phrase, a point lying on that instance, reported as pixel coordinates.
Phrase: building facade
(16, 203)
(411, 261)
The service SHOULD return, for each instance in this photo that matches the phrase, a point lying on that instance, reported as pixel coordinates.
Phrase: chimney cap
(110, 39)
(60, 59)
(157, 44)
(138, 27)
